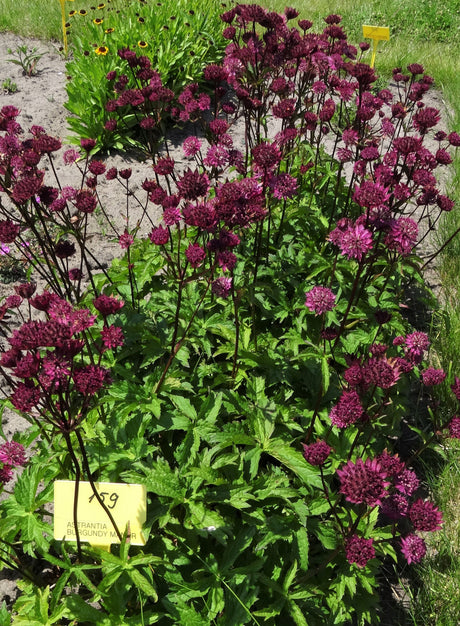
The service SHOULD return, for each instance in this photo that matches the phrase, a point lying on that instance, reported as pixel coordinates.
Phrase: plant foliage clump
(247, 361)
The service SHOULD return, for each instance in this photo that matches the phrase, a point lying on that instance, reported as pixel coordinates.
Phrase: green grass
(422, 31)
(436, 597)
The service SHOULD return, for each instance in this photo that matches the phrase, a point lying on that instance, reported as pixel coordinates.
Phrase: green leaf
(290, 576)
(184, 406)
(5, 617)
(325, 373)
(294, 461)
(143, 584)
(297, 614)
(162, 481)
(236, 547)
(81, 611)
(303, 546)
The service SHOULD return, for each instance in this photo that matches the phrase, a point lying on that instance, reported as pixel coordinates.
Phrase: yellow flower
(101, 6)
(102, 50)
(98, 21)
(142, 44)
(109, 30)
(72, 13)
(83, 12)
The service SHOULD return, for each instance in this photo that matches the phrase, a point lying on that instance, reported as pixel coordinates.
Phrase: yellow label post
(376, 33)
(126, 503)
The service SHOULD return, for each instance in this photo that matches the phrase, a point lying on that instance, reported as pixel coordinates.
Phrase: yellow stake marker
(126, 503)
(64, 30)
(376, 33)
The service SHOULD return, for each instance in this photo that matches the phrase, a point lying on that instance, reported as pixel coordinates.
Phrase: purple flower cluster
(43, 358)
(363, 482)
(320, 300)
(12, 455)
(359, 550)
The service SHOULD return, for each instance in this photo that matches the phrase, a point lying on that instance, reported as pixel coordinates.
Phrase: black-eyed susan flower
(142, 44)
(83, 12)
(101, 50)
(72, 13)
(109, 30)
(141, 20)
(101, 6)
(98, 21)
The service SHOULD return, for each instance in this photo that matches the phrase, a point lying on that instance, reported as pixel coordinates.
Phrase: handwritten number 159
(113, 498)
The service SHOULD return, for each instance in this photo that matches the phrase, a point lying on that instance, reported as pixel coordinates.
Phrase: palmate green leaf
(162, 481)
(33, 609)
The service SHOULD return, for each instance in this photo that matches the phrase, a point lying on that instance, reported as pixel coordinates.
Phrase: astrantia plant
(245, 358)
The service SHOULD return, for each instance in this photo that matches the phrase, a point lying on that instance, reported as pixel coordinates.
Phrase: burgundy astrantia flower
(407, 482)
(107, 305)
(395, 506)
(456, 388)
(85, 201)
(354, 241)
(42, 301)
(12, 453)
(266, 156)
(316, 453)
(283, 186)
(371, 195)
(413, 548)
(195, 255)
(6, 474)
(222, 286)
(402, 235)
(240, 202)
(226, 260)
(9, 230)
(363, 482)
(192, 184)
(191, 146)
(159, 236)
(90, 379)
(359, 550)
(391, 464)
(382, 372)
(319, 300)
(425, 119)
(25, 397)
(416, 344)
(454, 427)
(347, 411)
(55, 372)
(425, 516)
(432, 376)
(126, 240)
(112, 337)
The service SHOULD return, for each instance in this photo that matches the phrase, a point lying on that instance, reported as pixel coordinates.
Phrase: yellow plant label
(126, 503)
(378, 33)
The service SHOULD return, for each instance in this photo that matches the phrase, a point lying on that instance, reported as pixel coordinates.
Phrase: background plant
(243, 364)
(179, 45)
(27, 58)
